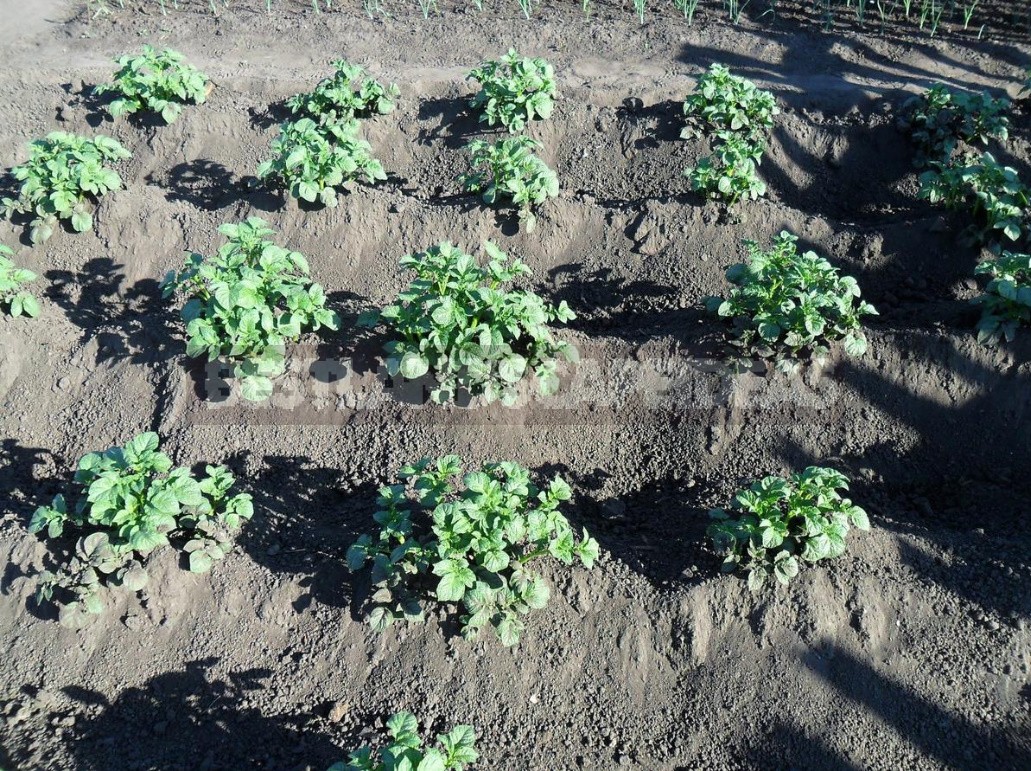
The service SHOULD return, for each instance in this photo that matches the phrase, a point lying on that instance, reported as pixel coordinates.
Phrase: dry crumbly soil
(912, 651)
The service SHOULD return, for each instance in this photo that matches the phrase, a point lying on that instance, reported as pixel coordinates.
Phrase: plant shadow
(657, 123)
(607, 304)
(190, 719)
(455, 122)
(306, 517)
(657, 531)
(133, 324)
(210, 186)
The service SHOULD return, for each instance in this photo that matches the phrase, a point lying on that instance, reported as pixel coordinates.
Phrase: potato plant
(246, 302)
(788, 305)
(730, 173)
(456, 321)
(469, 539)
(724, 102)
(349, 93)
(62, 180)
(508, 171)
(133, 501)
(407, 751)
(994, 194)
(776, 524)
(155, 81)
(13, 297)
(513, 91)
(739, 117)
(1006, 302)
(940, 118)
(312, 162)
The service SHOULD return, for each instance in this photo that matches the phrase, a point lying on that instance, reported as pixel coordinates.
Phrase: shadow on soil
(657, 531)
(21, 488)
(132, 323)
(634, 311)
(192, 719)
(309, 516)
(948, 738)
(964, 485)
(457, 124)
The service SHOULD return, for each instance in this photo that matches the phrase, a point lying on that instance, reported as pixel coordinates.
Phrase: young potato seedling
(313, 161)
(155, 81)
(132, 502)
(349, 93)
(513, 91)
(785, 304)
(739, 116)
(246, 302)
(64, 176)
(725, 102)
(467, 539)
(730, 173)
(996, 196)
(407, 751)
(15, 300)
(940, 118)
(1006, 302)
(777, 523)
(508, 171)
(457, 321)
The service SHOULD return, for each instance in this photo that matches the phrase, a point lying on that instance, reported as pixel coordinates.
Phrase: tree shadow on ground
(951, 739)
(782, 745)
(306, 517)
(964, 484)
(134, 324)
(191, 719)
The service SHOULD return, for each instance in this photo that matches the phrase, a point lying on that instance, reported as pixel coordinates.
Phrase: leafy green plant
(508, 170)
(940, 118)
(777, 523)
(739, 116)
(155, 81)
(471, 538)
(725, 102)
(514, 90)
(994, 194)
(348, 93)
(407, 751)
(456, 320)
(1006, 302)
(785, 304)
(247, 301)
(731, 172)
(313, 162)
(62, 179)
(16, 300)
(132, 502)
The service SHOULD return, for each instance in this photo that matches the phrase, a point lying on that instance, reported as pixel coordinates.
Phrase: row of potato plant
(447, 535)
(461, 324)
(514, 91)
(944, 125)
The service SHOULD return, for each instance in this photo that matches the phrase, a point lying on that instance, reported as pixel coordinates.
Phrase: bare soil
(912, 651)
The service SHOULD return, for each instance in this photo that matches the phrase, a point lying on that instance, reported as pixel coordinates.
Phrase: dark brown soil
(912, 651)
